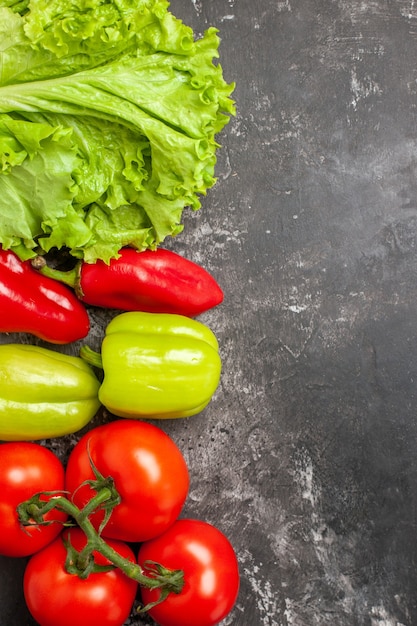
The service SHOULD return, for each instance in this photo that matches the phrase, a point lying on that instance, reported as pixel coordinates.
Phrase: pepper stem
(70, 277)
(91, 357)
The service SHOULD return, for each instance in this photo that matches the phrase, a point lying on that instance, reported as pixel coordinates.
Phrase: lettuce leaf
(109, 111)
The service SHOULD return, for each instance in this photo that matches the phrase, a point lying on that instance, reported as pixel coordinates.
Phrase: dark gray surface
(307, 456)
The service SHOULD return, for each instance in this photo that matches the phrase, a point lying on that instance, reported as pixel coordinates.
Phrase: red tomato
(56, 598)
(25, 469)
(149, 472)
(211, 574)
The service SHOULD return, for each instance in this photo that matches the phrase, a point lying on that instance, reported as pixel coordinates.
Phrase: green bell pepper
(156, 365)
(44, 393)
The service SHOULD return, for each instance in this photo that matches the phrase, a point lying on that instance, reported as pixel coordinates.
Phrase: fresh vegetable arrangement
(84, 570)
(109, 111)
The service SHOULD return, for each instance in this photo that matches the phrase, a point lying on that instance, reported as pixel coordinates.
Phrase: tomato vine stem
(32, 512)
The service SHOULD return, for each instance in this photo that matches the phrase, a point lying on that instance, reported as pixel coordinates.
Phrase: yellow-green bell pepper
(44, 393)
(156, 365)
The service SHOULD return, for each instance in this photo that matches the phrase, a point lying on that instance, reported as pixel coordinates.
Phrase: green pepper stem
(35, 508)
(91, 357)
(70, 277)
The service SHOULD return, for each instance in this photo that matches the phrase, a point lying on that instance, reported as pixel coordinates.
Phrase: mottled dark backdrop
(307, 456)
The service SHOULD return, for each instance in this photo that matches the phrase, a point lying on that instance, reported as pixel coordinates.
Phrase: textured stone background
(306, 458)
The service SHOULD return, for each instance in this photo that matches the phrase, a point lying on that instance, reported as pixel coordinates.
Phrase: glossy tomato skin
(149, 472)
(211, 574)
(26, 469)
(56, 598)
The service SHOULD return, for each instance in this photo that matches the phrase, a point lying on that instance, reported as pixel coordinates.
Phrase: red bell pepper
(157, 281)
(35, 304)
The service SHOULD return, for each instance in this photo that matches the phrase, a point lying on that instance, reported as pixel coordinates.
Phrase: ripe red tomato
(211, 574)
(25, 469)
(56, 598)
(149, 472)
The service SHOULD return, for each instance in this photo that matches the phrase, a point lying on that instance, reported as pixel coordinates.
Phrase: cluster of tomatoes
(151, 478)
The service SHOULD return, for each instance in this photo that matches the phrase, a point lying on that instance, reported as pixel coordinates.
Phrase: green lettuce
(109, 111)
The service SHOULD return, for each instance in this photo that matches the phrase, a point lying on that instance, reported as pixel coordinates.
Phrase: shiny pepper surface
(158, 366)
(44, 393)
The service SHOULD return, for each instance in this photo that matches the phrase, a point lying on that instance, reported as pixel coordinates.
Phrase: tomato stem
(33, 510)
